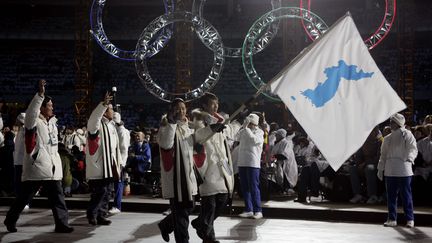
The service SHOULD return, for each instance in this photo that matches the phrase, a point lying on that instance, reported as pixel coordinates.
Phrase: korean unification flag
(336, 92)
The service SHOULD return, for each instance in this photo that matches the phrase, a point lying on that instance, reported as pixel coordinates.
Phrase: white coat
(41, 160)
(217, 167)
(250, 147)
(124, 140)
(176, 146)
(289, 165)
(95, 163)
(19, 149)
(398, 151)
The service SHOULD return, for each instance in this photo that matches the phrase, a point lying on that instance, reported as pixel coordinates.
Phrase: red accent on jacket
(167, 158)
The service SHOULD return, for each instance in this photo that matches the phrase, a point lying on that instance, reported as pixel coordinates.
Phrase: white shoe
(372, 200)
(114, 210)
(246, 215)
(356, 199)
(26, 209)
(257, 215)
(410, 224)
(167, 212)
(391, 223)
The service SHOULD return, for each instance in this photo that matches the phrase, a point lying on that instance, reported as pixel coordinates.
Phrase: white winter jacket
(250, 147)
(19, 149)
(176, 146)
(398, 151)
(41, 160)
(217, 168)
(124, 140)
(96, 149)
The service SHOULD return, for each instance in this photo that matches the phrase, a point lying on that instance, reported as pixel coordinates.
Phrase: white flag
(337, 93)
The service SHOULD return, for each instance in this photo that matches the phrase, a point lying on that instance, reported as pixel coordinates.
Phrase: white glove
(380, 175)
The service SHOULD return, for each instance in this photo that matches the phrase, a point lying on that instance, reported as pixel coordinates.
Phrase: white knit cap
(117, 117)
(253, 118)
(398, 119)
(21, 117)
(281, 132)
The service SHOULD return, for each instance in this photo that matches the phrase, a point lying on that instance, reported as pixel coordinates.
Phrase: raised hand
(107, 99)
(42, 84)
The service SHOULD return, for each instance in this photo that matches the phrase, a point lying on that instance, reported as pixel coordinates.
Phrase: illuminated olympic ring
(98, 32)
(265, 37)
(383, 29)
(203, 28)
(314, 22)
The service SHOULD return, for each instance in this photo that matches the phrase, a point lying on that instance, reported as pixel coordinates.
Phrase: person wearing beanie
(398, 151)
(251, 139)
(124, 142)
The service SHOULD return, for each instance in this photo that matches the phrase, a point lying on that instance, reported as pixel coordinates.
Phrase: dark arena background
(54, 40)
(51, 40)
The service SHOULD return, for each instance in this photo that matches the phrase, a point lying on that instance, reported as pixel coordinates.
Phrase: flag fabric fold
(336, 92)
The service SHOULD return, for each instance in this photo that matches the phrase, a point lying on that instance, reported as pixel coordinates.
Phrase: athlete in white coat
(42, 165)
(178, 179)
(103, 159)
(215, 168)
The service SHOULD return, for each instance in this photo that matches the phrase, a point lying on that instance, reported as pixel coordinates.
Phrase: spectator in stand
(139, 160)
(366, 161)
(80, 134)
(304, 150)
(124, 140)
(251, 138)
(398, 151)
(71, 139)
(78, 169)
(424, 158)
(42, 164)
(286, 165)
(103, 160)
(386, 131)
(7, 162)
(179, 183)
(67, 160)
(420, 132)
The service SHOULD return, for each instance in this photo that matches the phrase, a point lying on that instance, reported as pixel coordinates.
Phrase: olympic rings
(381, 32)
(314, 21)
(101, 38)
(203, 28)
(265, 37)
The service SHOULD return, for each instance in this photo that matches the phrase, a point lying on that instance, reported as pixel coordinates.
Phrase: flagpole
(284, 70)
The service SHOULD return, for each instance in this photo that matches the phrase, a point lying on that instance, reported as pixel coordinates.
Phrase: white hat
(398, 119)
(80, 131)
(253, 118)
(117, 117)
(21, 117)
(281, 132)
